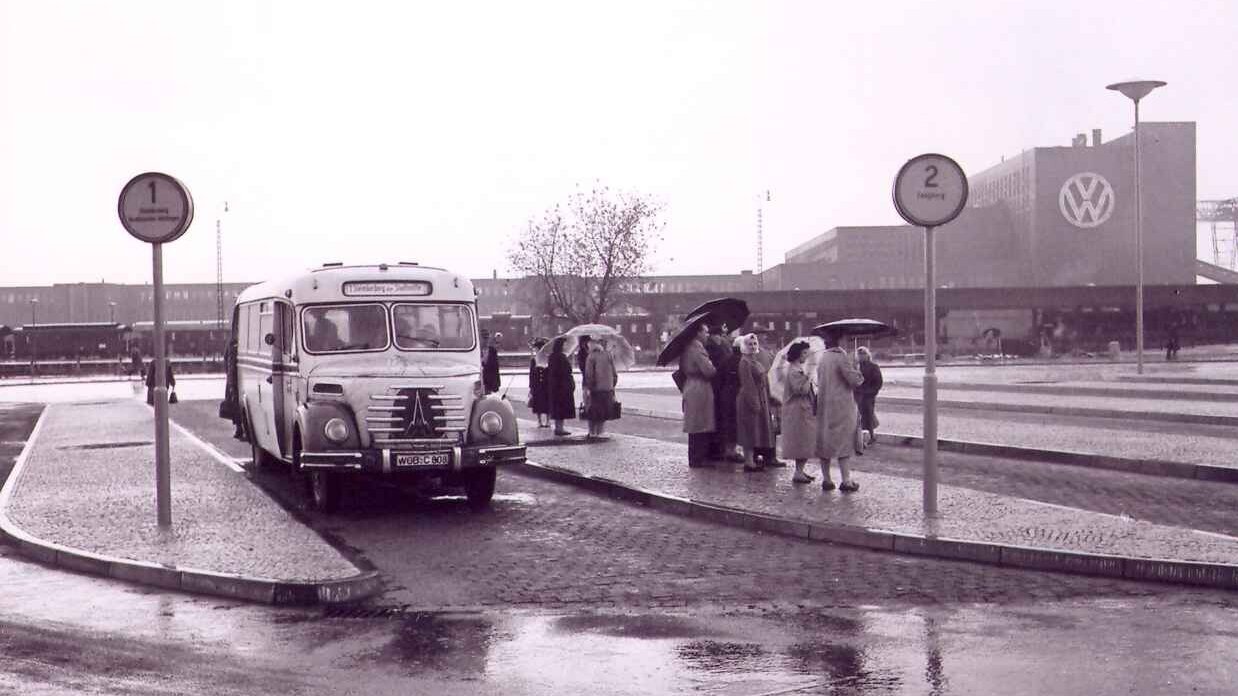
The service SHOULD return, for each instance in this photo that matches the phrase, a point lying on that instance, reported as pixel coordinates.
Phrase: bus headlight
(336, 430)
(491, 423)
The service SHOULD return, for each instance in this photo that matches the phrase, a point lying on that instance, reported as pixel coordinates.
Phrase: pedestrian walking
(539, 400)
(698, 397)
(169, 381)
(135, 363)
(837, 415)
(1172, 344)
(754, 427)
(799, 413)
(599, 388)
(725, 358)
(768, 456)
(560, 387)
(490, 364)
(866, 393)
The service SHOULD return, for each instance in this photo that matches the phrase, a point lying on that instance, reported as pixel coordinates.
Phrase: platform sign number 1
(929, 191)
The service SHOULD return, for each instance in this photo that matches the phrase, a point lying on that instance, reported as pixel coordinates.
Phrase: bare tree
(583, 250)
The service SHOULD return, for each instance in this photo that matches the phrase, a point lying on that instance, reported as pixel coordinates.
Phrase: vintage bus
(370, 370)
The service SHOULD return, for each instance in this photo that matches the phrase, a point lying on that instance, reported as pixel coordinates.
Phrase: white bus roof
(377, 282)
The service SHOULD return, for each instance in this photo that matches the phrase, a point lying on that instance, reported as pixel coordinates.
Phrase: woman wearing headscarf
(560, 387)
(837, 416)
(698, 397)
(539, 401)
(599, 387)
(754, 428)
(799, 413)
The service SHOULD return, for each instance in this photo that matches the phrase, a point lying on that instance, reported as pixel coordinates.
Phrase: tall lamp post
(1136, 90)
(34, 305)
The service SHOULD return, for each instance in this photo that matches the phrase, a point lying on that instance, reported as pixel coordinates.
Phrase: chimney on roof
(496, 274)
(1095, 137)
(1081, 140)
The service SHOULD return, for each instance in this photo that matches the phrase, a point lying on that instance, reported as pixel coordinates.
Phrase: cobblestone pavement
(552, 546)
(1179, 502)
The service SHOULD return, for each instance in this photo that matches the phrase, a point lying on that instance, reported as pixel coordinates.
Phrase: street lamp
(1136, 90)
(34, 305)
(111, 309)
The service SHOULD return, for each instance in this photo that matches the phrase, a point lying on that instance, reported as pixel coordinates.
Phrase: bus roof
(394, 282)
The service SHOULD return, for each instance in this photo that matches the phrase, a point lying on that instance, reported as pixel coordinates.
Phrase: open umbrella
(854, 327)
(621, 351)
(675, 347)
(729, 310)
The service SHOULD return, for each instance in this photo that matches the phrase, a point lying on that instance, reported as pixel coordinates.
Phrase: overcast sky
(366, 132)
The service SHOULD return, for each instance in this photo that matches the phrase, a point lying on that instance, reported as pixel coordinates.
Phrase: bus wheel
(479, 487)
(324, 490)
(261, 458)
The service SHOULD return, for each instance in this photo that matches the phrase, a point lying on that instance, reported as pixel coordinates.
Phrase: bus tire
(479, 487)
(324, 490)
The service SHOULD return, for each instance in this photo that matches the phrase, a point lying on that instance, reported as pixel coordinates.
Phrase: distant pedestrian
(560, 387)
(539, 399)
(698, 397)
(490, 364)
(837, 415)
(599, 388)
(754, 427)
(866, 393)
(799, 412)
(135, 363)
(170, 381)
(1172, 345)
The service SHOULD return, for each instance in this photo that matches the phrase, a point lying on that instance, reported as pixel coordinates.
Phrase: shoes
(827, 485)
(859, 453)
(849, 487)
(597, 438)
(563, 433)
(802, 479)
(735, 458)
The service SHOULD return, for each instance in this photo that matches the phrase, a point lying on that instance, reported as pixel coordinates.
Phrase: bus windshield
(433, 327)
(345, 328)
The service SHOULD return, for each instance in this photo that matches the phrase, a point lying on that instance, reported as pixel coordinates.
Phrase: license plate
(419, 460)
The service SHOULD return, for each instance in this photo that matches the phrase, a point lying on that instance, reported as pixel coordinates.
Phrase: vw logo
(1086, 200)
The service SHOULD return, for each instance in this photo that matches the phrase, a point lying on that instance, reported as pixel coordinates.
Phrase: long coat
(539, 402)
(866, 394)
(599, 383)
(837, 416)
(754, 427)
(799, 417)
(698, 390)
(490, 370)
(560, 388)
(726, 391)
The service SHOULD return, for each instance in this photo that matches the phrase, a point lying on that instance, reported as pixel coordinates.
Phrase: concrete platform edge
(1214, 575)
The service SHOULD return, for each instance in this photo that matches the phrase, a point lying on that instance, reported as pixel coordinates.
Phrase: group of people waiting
(727, 403)
(552, 389)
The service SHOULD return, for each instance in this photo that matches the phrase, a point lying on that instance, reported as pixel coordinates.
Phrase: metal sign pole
(163, 477)
(930, 375)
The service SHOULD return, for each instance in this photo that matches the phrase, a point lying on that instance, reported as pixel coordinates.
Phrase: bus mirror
(270, 339)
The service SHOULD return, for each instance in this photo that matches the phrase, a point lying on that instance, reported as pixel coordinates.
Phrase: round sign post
(929, 191)
(157, 208)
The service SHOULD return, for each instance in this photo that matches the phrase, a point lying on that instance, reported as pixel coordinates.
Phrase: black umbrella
(729, 310)
(854, 327)
(680, 341)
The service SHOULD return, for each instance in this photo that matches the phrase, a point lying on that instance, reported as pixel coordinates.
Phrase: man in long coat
(698, 398)
(490, 364)
(837, 415)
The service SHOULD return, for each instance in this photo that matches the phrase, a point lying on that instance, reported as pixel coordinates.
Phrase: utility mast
(219, 270)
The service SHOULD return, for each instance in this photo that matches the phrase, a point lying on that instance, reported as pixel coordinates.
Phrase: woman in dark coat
(725, 358)
(490, 365)
(560, 387)
(170, 381)
(698, 397)
(866, 393)
(539, 401)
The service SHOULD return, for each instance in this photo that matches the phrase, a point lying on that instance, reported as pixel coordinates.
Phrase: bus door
(284, 377)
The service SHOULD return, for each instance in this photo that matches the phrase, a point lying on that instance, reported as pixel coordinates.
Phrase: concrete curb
(1197, 418)
(171, 577)
(1119, 391)
(1213, 575)
(1147, 467)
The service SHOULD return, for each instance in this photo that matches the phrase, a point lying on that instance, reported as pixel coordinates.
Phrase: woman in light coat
(837, 416)
(754, 427)
(799, 413)
(698, 397)
(599, 388)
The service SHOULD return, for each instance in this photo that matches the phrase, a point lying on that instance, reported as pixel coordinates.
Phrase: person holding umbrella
(837, 415)
(725, 357)
(560, 387)
(698, 393)
(599, 388)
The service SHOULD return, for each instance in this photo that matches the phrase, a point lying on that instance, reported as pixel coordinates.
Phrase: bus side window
(285, 333)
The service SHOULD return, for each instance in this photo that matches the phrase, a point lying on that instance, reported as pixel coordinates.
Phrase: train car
(68, 341)
(183, 338)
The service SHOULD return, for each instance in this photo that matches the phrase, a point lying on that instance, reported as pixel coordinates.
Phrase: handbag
(616, 410)
(172, 396)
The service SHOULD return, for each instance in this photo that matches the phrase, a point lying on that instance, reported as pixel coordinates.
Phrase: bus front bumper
(386, 461)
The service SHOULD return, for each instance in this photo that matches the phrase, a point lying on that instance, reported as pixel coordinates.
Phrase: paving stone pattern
(90, 484)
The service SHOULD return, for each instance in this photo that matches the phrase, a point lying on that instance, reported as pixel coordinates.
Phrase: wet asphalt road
(559, 591)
